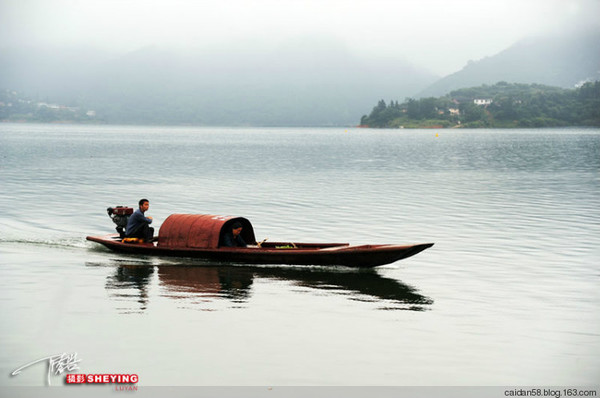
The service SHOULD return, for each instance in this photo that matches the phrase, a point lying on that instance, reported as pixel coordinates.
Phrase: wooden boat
(201, 235)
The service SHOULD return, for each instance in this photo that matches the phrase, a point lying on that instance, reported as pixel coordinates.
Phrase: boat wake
(69, 242)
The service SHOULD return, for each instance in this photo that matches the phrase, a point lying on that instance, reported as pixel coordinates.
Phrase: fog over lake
(248, 108)
(440, 36)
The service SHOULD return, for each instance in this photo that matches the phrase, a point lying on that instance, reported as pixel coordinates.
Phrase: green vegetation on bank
(502, 105)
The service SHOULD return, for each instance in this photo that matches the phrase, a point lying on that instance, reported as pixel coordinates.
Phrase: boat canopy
(200, 231)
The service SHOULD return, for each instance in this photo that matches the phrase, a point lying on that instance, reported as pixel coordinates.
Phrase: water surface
(507, 296)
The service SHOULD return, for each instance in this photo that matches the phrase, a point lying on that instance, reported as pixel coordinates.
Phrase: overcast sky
(440, 35)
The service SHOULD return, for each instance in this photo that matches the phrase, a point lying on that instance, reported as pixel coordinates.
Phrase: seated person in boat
(138, 225)
(233, 238)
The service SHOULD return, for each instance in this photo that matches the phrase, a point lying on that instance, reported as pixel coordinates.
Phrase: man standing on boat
(138, 225)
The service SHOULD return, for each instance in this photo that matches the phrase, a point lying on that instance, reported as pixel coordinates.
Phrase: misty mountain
(301, 83)
(564, 61)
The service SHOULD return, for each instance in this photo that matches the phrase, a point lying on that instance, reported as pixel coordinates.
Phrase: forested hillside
(499, 105)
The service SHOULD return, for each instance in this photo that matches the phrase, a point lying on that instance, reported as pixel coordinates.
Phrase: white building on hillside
(486, 101)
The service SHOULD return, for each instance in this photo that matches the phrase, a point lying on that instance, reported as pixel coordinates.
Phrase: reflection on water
(362, 285)
(130, 284)
(228, 283)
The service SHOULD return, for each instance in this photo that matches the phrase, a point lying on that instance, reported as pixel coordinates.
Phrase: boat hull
(331, 254)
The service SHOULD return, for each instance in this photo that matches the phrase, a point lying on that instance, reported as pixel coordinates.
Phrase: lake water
(509, 294)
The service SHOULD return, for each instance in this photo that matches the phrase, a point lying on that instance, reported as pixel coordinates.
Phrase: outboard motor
(120, 215)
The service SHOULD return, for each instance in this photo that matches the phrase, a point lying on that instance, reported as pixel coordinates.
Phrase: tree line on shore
(502, 105)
